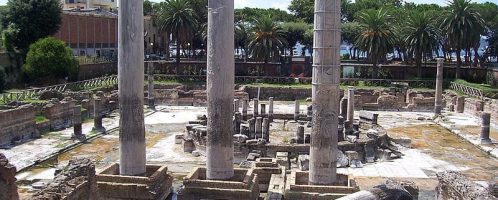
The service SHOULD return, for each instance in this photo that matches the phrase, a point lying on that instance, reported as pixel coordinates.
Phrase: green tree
(294, 33)
(377, 37)
(33, 19)
(50, 59)
(351, 31)
(489, 14)
(148, 7)
(3, 76)
(178, 18)
(461, 23)
(249, 14)
(421, 36)
(268, 39)
(303, 9)
(242, 38)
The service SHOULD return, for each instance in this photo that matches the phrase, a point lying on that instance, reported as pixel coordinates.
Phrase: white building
(89, 4)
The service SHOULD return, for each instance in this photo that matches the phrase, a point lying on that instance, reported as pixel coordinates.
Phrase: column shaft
(439, 87)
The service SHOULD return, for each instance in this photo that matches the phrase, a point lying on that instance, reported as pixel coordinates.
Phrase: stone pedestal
(242, 186)
(270, 109)
(460, 104)
(245, 107)
(300, 135)
(297, 187)
(265, 168)
(263, 110)
(156, 184)
(485, 123)
(344, 107)
(236, 105)
(97, 115)
(237, 121)
(296, 110)
(266, 129)
(259, 127)
(78, 131)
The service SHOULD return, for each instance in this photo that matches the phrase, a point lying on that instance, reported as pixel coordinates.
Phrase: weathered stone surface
(304, 162)
(76, 181)
(60, 113)
(17, 124)
(453, 185)
(8, 187)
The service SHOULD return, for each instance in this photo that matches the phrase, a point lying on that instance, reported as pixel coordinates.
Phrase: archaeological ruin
(142, 137)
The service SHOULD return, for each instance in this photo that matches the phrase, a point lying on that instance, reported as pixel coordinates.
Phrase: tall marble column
(220, 84)
(270, 109)
(326, 69)
(439, 87)
(131, 89)
(150, 85)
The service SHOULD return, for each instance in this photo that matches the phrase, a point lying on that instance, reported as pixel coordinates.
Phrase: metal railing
(467, 90)
(74, 86)
(95, 60)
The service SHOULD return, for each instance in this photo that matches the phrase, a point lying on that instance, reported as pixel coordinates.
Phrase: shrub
(50, 58)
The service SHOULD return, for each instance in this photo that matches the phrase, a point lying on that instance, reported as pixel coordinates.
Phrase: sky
(283, 4)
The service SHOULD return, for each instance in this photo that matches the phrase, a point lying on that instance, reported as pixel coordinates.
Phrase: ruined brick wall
(491, 106)
(17, 124)
(76, 181)
(453, 185)
(473, 106)
(8, 187)
(279, 93)
(60, 114)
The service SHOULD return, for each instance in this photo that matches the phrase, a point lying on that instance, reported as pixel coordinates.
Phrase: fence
(74, 86)
(473, 92)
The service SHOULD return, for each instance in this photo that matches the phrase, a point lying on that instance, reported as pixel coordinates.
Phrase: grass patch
(488, 90)
(40, 119)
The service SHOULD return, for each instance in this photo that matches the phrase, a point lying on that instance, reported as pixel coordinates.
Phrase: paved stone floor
(434, 149)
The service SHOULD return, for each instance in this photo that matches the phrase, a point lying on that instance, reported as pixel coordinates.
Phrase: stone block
(303, 162)
(297, 187)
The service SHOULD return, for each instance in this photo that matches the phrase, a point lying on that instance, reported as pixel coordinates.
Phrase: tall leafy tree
(268, 39)
(377, 37)
(178, 17)
(351, 31)
(32, 19)
(421, 36)
(242, 38)
(294, 33)
(462, 24)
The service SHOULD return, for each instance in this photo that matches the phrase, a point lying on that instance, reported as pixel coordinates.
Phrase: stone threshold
(297, 187)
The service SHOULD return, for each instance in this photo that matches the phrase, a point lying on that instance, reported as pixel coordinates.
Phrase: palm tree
(242, 36)
(177, 17)
(268, 39)
(377, 37)
(462, 24)
(421, 37)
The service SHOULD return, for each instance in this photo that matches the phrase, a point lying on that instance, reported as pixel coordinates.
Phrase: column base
(297, 187)
(156, 184)
(486, 141)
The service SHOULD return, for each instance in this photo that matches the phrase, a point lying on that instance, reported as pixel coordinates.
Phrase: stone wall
(279, 93)
(76, 181)
(453, 185)
(17, 124)
(491, 106)
(89, 71)
(473, 106)
(60, 113)
(8, 187)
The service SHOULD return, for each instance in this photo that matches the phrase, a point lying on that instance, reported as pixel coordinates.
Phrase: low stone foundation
(17, 124)
(297, 187)
(243, 186)
(8, 187)
(155, 185)
(453, 185)
(74, 182)
(265, 168)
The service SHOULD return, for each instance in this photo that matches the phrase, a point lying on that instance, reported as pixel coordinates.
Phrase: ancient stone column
(220, 94)
(245, 106)
(259, 127)
(326, 70)
(78, 132)
(252, 127)
(350, 114)
(300, 134)
(97, 115)
(270, 109)
(256, 108)
(460, 104)
(439, 87)
(150, 85)
(296, 110)
(266, 129)
(131, 89)
(344, 107)
(263, 110)
(237, 122)
(236, 105)
(485, 123)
